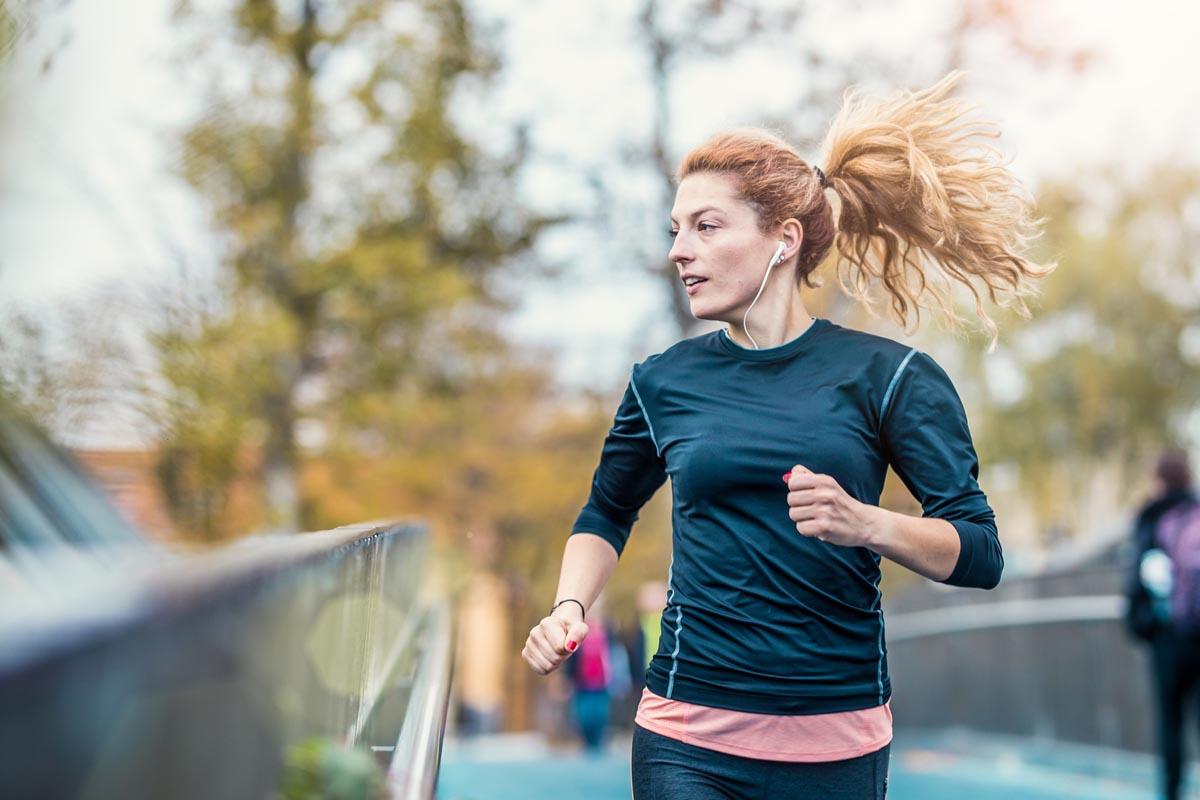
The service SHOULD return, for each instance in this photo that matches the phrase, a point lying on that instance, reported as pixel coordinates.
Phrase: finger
(809, 517)
(532, 665)
(806, 480)
(552, 629)
(803, 497)
(810, 535)
(539, 662)
(545, 634)
(804, 513)
(541, 645)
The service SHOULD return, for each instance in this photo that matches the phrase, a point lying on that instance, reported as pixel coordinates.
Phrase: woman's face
(716, 237)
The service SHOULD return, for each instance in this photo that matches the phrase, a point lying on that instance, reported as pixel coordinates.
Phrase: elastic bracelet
(582, 610)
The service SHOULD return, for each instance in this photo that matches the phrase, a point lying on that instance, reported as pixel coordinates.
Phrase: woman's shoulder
(680, 355)
(870, 343)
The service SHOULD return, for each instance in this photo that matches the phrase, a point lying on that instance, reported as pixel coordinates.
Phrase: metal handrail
(1004, 614)
(297, 641)
(417, 755)
(164, 584)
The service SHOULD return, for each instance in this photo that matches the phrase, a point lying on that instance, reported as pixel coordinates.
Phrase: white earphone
(775, 259)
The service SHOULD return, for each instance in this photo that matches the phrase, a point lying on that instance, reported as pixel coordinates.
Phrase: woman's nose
(680, 251)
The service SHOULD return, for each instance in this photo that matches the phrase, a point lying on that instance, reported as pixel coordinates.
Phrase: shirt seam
(678, 626)
(650, 427)
(887, 395)
(879, 667)
(675, 653)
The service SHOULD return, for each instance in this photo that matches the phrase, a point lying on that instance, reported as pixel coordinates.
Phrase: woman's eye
(703, 225)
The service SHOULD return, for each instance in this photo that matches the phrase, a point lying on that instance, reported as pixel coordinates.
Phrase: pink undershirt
(797, 737)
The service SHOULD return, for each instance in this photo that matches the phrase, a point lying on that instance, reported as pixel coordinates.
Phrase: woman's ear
(792, 234)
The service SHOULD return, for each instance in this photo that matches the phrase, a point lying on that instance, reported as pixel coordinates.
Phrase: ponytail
(923, 202)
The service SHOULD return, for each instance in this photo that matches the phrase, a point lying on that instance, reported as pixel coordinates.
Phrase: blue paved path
(940, 766)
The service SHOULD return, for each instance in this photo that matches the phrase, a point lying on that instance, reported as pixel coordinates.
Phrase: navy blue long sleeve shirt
(758, 617)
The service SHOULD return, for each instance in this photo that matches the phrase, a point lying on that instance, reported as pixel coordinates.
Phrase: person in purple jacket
(770, 678)
(1160, 612)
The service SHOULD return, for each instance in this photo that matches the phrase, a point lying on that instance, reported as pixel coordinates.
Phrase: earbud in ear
(778, 253)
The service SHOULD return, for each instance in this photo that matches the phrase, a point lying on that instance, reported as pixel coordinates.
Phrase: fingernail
(787, 476)
(571, 646)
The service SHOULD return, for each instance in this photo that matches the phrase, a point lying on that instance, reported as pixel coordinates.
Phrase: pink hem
(806, 733)
(762, 755)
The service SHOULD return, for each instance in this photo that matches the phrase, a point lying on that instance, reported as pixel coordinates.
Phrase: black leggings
(1176, 677)
(667, 769)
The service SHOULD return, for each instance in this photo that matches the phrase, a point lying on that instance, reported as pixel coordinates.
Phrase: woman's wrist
(567, 608)
(878, 527)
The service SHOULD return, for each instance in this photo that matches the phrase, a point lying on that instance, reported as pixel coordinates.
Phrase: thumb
(575, 634)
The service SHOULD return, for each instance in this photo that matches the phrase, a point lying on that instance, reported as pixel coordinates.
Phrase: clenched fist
(823, 510)
(555, 638)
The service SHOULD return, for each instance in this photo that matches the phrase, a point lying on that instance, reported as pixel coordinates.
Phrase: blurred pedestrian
(596, 674)
(651, 599)
(1163, 609)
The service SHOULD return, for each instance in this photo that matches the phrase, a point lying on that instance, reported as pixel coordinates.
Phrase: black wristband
(582, 610)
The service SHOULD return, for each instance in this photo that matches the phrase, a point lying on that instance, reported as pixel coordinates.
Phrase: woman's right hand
(555, 638)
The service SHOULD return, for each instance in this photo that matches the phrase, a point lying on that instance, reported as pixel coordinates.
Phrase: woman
(770, 678)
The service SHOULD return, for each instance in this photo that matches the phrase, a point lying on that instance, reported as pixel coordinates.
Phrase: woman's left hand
(822, 509)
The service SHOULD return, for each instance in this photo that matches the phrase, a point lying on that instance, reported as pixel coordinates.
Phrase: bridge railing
(279, 666)
(1043, 655)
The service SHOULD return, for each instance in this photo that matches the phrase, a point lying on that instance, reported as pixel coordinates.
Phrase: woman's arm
(926, 439)
(962, 552)
(926, 545)
(629, 473)
(588, 562)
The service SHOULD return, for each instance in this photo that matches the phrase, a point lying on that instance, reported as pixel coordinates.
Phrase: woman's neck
(769, 327)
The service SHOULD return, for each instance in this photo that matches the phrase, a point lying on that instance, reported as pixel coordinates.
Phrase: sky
(85, 197)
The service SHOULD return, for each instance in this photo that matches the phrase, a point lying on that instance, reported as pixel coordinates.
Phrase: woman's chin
(706, 311)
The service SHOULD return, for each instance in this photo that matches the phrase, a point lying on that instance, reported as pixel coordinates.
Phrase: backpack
(1178, 535)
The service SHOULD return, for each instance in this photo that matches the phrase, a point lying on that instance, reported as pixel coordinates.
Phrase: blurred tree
(1017, 24)
(361, 228)
(8, 32)
(203, 394)
(61, 366)
(41, 29)
(1107, 372)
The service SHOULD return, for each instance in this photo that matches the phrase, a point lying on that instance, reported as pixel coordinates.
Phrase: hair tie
(821, 177)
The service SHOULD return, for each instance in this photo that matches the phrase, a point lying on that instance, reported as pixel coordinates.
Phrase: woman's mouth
(695, 286)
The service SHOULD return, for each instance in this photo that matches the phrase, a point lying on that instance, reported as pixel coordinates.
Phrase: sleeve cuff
(980, 561)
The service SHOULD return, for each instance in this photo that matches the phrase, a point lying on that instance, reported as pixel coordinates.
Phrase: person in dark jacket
(1175, 653)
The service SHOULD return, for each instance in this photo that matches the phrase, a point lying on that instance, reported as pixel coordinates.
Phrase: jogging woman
(771, 679)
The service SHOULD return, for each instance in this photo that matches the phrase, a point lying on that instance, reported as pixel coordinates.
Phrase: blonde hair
(922, 201)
